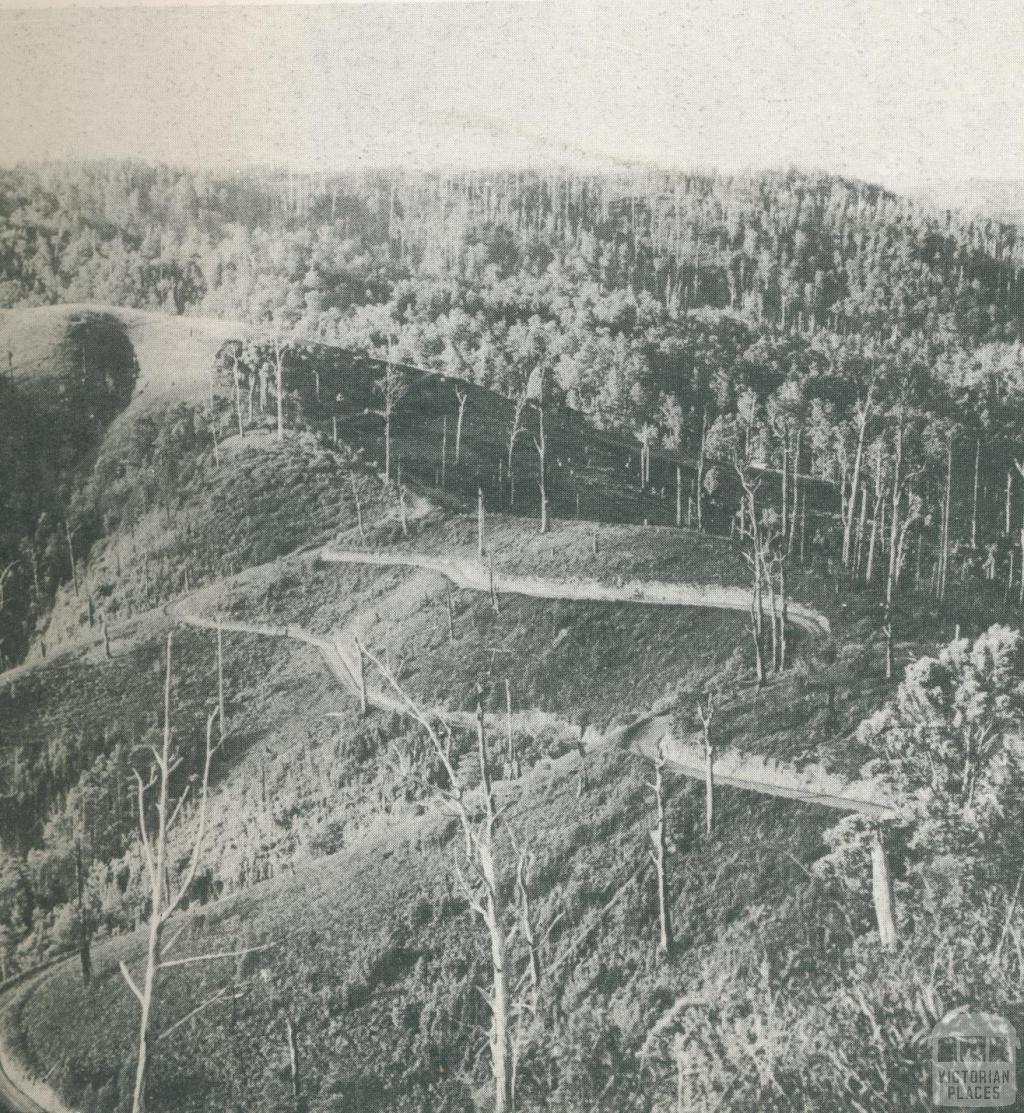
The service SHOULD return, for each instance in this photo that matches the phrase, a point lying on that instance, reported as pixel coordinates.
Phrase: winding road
(646, 736)
(811, 784)
(19, 1093)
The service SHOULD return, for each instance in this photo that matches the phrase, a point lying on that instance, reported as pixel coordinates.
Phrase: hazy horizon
(863, 89)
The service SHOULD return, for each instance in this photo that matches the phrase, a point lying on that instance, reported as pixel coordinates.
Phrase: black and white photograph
(511, 556)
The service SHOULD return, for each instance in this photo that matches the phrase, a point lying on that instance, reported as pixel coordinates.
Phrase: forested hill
(845, 331)
(477, 267)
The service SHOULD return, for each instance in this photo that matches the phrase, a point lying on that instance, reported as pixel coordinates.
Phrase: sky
(881, 89)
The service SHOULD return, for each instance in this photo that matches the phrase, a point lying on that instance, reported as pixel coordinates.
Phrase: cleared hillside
(327, 839)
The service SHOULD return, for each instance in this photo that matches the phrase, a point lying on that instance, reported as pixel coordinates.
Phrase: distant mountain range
(1000, 198)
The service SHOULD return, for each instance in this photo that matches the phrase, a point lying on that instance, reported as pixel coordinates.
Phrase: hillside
(773, 496)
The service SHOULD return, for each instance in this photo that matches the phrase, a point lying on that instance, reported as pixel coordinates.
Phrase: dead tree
(361, 678)
(706, 712)
(490, 584)
(897, 535)
(462, 397)
(659, 851)
(946, 515)
(517, 428)
(221, 720)
(4, 576)
(280, 347)
(166, 894)
(540, 444)
(238, 392)
(391, 390)
(755, 561)
(293, 1057)
(881, 891)
(476, 870)
(511, 759)
(701, 460)
(679, 495)
(84, 920)
(646, 435)
(359, 507)
(863, 410)
(480, 522)
(974, 494)
(69, 533)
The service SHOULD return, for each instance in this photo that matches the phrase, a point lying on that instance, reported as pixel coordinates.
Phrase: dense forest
(842, 326)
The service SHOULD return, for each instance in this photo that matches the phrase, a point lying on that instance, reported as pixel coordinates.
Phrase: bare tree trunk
(861, 527)
(221, 720)
(387, 443)
(881, 889)
(480, 522)
(359, 508)
(679, 495)
(770, 580)
(1020, 598)
(526, 929)
(541, 445)
(869, 572)
(451, 618)
(946, 513)
(279, 374)
(701, 454)
(890, 581)
(154, 950)
(68, 534)
(517, 416)
(361, 678)
(863, 416)
(1009, 499)
(444, 451)
(492, 917)
(84, 927)
(784, 618)
(755, 618)
(154, 941)
(796, 489)
(462, 397)
(162, 901)
(490, 582)
(238, 394)
(293, 1057)
(785, 483)
(706, 714)
(974, 497)
(513, 761)
(659, 851)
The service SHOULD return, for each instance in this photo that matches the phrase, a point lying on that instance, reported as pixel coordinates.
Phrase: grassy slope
(379, 965)
(174, 353)
(358, 968)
